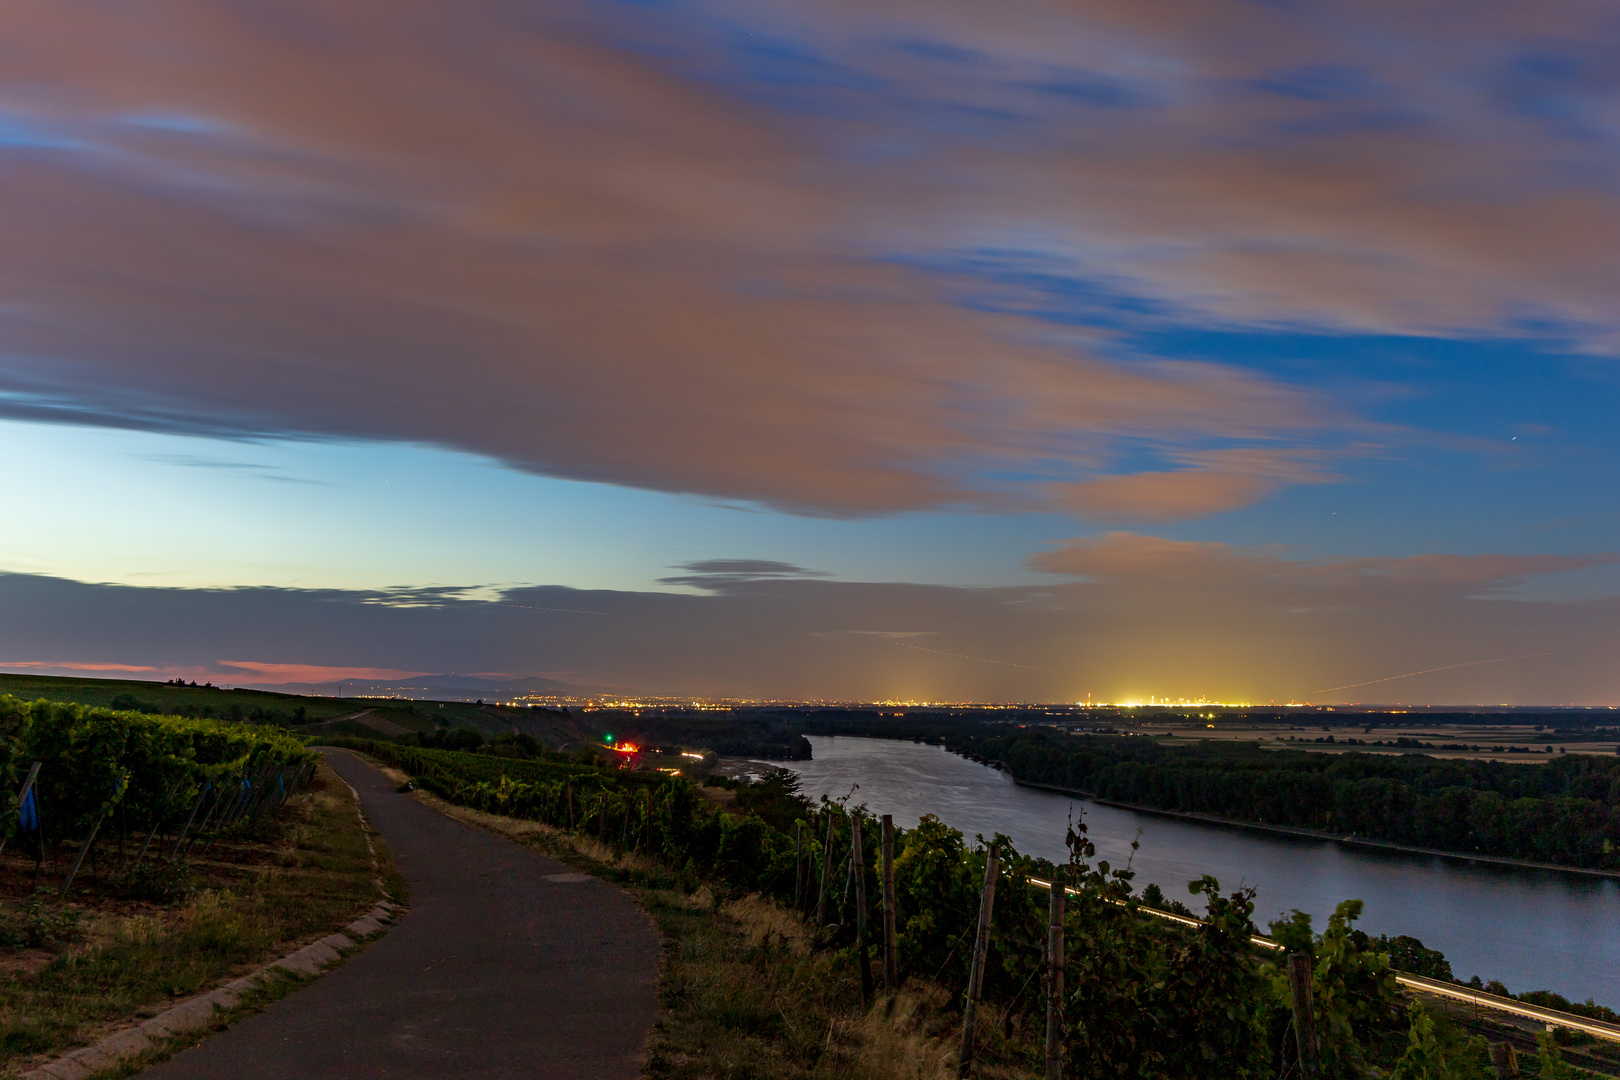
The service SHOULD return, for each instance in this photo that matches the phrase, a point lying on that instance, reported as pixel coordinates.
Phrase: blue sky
(1283, 305)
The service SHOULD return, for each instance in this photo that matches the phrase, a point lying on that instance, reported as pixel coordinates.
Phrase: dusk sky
(883, 350)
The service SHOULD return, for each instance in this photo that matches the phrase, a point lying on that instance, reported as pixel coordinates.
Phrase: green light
(608, 738)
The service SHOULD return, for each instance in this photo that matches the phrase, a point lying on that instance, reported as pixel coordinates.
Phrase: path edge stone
(198, 1013)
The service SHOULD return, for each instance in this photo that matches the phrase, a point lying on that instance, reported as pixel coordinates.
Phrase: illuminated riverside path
(1532, 929)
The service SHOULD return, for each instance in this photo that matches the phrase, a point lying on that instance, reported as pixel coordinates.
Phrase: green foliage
(1153, 897)
(448, 739)
(1150, 1001)
(729, 734)
(936, 896)
(1566, 810)
(163, 881)
(254, 903)
(1549, 1000)
(37, 924)
(1438, 1050)
(1424, 1059)
(1408, 954)
(1550, 1060)
(176, 698)
(776, 799)
(1353, 987)
(1146, 999)
(149, 768)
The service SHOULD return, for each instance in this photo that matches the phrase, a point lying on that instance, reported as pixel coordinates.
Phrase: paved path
(507, 965)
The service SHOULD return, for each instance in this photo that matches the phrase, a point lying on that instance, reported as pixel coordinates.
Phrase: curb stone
(198, 1013)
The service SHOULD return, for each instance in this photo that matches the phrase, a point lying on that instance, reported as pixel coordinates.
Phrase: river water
(1532, 929)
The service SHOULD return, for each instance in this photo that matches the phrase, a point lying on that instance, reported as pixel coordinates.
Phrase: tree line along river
(1531, 929)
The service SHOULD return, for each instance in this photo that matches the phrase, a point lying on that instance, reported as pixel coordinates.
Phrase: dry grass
(253, 900)
(746, 992)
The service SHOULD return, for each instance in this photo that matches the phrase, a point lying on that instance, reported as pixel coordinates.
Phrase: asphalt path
(508, 964)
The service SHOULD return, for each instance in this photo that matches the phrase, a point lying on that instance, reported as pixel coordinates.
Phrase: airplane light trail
(1426, 671)
(980, 659)
(569, 610)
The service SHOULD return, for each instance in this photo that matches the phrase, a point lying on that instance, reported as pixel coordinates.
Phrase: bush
(163, 881)
(37, 924)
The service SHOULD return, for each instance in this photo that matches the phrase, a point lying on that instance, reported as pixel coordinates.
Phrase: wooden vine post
(798, 866)
(646, 819)
(89, 842)
(891, 980)
(858, 864)
(1054, 980)
(981, 948)
(178, 840)
(1299, 984)
(22, 796)
(826, 872)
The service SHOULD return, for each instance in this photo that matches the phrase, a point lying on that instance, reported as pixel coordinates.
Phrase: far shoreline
(1316, 834)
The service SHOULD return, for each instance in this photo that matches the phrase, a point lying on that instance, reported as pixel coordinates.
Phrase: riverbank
(1529, 930)
(1317, 834)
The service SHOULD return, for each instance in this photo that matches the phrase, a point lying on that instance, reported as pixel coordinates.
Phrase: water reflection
(1531, 929)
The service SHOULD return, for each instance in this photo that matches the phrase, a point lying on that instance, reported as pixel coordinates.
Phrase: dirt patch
(24, 962)
(380, 723)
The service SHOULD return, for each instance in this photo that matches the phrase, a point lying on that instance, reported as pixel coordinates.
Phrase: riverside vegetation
(756, 984)
(185, 886)
(1565, 811)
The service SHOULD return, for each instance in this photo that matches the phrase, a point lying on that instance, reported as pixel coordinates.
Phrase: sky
(1243, 351)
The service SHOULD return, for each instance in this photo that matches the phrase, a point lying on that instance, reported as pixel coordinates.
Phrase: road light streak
(1611, 1032)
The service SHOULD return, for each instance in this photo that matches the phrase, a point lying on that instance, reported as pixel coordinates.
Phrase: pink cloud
(1162, 496)
(509, 234)
(72, 665)
(537, 247)
(1263, 574)
(1213, 481)
(313, 673)
(1139, 615)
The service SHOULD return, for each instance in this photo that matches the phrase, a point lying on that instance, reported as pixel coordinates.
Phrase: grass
(747, 993)
(302, 713)
(156, 697)
(103, 960)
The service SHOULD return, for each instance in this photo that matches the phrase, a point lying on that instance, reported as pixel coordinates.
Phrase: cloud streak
(1149, 617)
(779, 253)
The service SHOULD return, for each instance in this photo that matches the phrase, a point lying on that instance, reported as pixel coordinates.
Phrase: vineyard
(1140, 997)
(1143, 998)
(74, 774)
(455, 767)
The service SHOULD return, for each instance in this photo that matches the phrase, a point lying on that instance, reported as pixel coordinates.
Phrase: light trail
(531, 607)
(1454, 991)
(1426, 671)
(980, 659)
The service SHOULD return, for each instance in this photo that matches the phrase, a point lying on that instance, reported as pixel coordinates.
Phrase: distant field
(155, 697)
(301, 712)
(1441, 741)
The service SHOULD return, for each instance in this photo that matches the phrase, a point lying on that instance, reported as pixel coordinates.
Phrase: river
(1532, 929)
